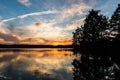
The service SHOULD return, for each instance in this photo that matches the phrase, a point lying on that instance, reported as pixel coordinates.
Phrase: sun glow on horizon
(56, 43)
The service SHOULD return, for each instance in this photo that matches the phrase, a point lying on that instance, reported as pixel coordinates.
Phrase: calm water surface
(36, 64)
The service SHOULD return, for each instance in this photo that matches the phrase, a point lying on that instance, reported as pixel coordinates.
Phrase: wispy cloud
(75, 24)
(38, 13)
(0, 17)
(25, 2)
(75, 9)
(6, 20)
(21, 18)
(109, 7)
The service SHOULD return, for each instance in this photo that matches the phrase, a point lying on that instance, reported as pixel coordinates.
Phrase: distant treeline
(34, 46)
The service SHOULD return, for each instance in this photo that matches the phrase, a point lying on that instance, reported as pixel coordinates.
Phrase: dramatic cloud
(47, 22)
(44, 30)
(34, 41)
(37, 33)
(51, 31)
(25, 2)
(6, 37)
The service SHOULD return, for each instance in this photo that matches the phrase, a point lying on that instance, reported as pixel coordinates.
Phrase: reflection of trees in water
(91, 67)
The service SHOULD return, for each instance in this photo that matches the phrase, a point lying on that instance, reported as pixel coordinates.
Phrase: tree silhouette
(78, 36)
(87, 37)
(115, 29)
(115, 20)
(94, 26)
(92, 30)
(97, 49)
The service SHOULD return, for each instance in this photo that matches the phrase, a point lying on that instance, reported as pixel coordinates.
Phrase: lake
(36, 64)
(57, 64)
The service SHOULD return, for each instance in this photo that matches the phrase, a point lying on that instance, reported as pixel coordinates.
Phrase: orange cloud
(9, 38)
(42, 41)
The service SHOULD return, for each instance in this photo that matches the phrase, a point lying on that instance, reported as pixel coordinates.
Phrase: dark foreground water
(36, 64)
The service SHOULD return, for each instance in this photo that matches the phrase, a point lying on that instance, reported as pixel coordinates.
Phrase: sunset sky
(46, 21)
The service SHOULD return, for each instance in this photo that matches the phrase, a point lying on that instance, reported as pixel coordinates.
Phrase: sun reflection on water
(37, 63)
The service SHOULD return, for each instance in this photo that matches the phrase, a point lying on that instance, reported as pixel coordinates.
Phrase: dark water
(36, 64)
(96, 67)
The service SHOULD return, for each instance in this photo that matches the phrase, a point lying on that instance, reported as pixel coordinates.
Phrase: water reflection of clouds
(48, 64)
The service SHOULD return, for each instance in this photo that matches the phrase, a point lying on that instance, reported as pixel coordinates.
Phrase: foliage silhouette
(97, 43)
(78, 36)
(91, 32)
(94, 25)
(98, 33)
(115, 21)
